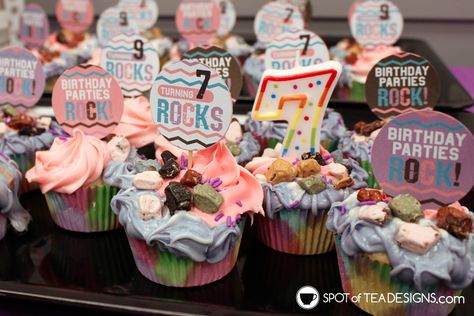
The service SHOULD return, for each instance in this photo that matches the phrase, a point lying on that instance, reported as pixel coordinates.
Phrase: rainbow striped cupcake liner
(25, 162)
(371, 181)
(360, 274)
(86, 210)
(165, 268)
(296, 231)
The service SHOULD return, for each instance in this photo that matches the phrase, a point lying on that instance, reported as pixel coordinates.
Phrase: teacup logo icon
(307, 297)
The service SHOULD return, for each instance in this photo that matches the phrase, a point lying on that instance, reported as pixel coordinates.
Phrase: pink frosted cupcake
(70, 176)
(138, 126)
(185, 225)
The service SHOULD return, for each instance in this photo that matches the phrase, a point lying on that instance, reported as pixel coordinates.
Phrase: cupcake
(138, 126)
(357, 144)
(21, 135)
(392, 245)
(11, 210)
(184, 223)
(361, 68)
(297, 196)
(269, 133)
(70, 176)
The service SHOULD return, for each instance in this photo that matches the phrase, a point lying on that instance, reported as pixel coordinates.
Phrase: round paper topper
(75, 15)
(276, 18)
(21, 78)
(375, 22)
(198, 20)
(228, 17)
(282, 52)
(220, 61)
(133, 61)
(427, 154)
(402, 83)
(145, 11)
(303, 5)
(115, 21)
(191, 105)
(88, 98)
(34, 25)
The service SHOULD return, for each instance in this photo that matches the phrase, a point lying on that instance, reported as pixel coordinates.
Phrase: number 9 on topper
(191, 105)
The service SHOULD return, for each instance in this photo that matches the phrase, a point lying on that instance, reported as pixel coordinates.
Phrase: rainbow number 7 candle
(300, 97)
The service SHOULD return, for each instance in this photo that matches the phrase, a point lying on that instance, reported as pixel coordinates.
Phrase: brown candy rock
(191, 178)
(365, 195)
(280, 171)
(178, 197)
(367, 129)
(343, 183)
(358, 126)
(20, 120)
(307, 168)
(455, 221)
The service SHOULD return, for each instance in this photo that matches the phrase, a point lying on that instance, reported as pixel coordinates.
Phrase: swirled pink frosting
(241, 191)
(137, 123)
(69, 164)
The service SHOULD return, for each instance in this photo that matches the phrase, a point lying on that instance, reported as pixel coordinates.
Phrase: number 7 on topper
(300, 97)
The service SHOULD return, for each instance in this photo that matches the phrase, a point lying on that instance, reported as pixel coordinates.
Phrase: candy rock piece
(20, 120)
(337, 170)
(168, 155)
(280, 171)
(31, 131)
(313, 185)
(150, 206)
(147, 180)
(365, 195)
(417, 238)
(376, 214)
(234, 149)
(9, 110)
(406, 207)
(147, 165)
(367, 129)
(457, 222)
(343, 183)
(234, 133)
(315, 156)
(270, 152)
(306, 168)
(358, 126)
(3, 129)
(44, 122)
(178, 197)
(119, 148)
(207, 199)
(170, 169)
(191, 178)
(356, 138)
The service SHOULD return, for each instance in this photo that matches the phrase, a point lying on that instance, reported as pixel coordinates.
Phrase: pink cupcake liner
(296, 231)
(86, 210)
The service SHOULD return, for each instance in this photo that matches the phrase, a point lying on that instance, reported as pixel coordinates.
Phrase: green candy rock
(9, 110)
(313, 184)
(234, 149)
(207, 199)
(406, 207)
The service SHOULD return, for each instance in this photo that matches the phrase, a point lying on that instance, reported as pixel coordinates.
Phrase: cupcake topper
(281, 53)
(145, 11)
(198, 20)
(228, 17)
(402, 83)
(75, 15)
(115, 21)
(191, 105)
(133, 61)
(21, 78)
(88, 98)
(13, 9)
(427, 154)
(375, 22)
(299, 96)
(276, 18)
(34, 25)
(221, 62)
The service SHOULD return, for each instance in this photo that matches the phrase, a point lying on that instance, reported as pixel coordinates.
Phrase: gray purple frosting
(289, 195)
(249, 148)
(10, 207)
(450, 262)
(356, 150)
(183, 234)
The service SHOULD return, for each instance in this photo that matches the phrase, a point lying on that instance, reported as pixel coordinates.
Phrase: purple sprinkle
(294, 204)
(233, 223)
(228, 221)
(237, 218)
(239, 203)
(367, 203)
(218, 217)
(184, 162)
(63, 138)
(4, 156)
(296, 161)
(343, 209)
(143, 157)
(215, 181)
(217, 189)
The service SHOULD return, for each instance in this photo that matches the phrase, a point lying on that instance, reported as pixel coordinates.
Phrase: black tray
(54, 266)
